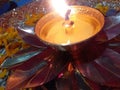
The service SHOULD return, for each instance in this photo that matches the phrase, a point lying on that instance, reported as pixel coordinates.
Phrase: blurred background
(7, 5)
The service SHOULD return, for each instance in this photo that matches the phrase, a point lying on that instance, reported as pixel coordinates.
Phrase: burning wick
(68, 24)
(67, 14)
(63, 11)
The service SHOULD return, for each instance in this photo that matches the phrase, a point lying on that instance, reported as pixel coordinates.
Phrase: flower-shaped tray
(42, 64)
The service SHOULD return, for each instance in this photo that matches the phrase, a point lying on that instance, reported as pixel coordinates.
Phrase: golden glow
(60, 6)
(83, 23)
(84, 27)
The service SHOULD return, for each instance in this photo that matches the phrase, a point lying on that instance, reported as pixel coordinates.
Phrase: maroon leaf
(57, 64)
(71, 80)
(31, 39)
(112, 26)
(38, 70)
(113, 32)
(110, 30)
(104, 70)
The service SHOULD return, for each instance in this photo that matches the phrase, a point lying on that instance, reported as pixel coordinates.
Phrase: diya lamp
(69, 29)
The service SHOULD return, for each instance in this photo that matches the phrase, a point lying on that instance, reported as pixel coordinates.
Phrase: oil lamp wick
(68, 22)
(67, 14)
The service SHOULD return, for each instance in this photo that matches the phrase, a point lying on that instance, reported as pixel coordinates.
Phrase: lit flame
(60, 7)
